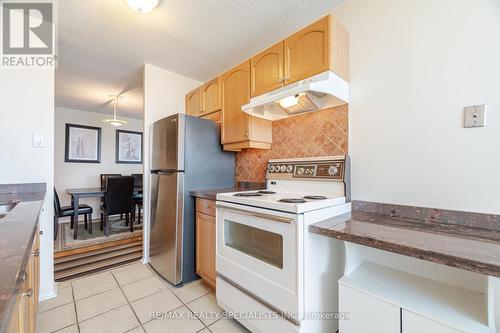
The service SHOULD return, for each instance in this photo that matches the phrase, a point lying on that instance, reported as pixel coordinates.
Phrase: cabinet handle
(35, 254)
(27, 293)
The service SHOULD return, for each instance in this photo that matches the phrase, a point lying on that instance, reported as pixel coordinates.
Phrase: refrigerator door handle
(165, 172)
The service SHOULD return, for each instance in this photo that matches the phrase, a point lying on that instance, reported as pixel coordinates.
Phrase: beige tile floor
(132, 299)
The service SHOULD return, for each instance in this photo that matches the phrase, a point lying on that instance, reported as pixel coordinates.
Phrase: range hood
(321, 91)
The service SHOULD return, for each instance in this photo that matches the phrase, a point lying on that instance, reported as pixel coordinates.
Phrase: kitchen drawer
(205, 206)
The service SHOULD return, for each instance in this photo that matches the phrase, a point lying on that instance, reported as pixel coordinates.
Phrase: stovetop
(293, 202)
(299, 185)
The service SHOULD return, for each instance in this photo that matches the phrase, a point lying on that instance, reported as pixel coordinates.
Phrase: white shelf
(452, 306)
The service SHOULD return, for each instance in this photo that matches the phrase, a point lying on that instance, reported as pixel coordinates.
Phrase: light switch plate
(38, 141)
(475, 116)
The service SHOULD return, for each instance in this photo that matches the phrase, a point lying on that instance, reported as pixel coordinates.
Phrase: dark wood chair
(66, 211)
(118, 200)
(104, 178)
(104, 181)
(137, 197)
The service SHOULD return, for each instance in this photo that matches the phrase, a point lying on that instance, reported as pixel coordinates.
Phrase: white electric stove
(272, 274)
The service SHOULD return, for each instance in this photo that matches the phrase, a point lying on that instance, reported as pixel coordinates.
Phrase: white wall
(27, 108)
(164, 94)
(75, 175)
(414, 66)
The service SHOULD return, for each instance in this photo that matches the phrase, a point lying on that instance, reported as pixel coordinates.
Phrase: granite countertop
(211, 194)
(473, 249)
(17, 231)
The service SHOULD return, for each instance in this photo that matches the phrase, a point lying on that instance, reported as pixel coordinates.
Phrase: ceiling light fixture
(115, 121)
(143, 6)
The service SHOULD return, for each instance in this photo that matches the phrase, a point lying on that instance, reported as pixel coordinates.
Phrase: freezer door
(168, 143)
(166, 224)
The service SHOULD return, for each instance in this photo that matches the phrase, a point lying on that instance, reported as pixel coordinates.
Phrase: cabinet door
(14, 320)
(193, 102)
(366, 313)
(412, 323)
(205, 248)
(211, 97)
(27, 315)
(214, 116)
(267, 70)
(235, 85)
(307, 52)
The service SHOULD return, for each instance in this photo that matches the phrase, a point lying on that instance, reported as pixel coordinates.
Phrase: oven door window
(260, 244)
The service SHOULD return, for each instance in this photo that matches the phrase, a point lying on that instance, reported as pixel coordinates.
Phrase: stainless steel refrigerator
(186, 155)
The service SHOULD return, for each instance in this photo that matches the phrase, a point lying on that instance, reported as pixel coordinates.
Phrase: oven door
(258, 252)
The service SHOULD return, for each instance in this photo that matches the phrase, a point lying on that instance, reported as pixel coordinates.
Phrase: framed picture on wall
(82, 144)
(128, 147)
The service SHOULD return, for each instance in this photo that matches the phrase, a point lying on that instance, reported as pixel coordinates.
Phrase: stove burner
(266, 192)
(292, 200)
(248, 194)
(315, 197)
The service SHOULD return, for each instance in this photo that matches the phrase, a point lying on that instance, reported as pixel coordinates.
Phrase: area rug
(117, 230)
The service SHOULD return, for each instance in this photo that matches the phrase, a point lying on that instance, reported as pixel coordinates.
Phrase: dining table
(88, 192)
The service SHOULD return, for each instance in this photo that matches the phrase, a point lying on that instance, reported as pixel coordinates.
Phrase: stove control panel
(280, 168)
(333, 170)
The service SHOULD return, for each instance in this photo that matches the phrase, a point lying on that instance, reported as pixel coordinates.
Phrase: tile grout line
(177, 308)
(154, 274)
(183, 305)
(87, 297)
(130, 305)
(119, 306)
(156, 292)
(197, 317)
(74, 304)
(128, 284)
(55, 307)
(105, 291)
(103, 272)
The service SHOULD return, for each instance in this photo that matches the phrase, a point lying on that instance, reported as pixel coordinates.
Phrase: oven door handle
(258, 214)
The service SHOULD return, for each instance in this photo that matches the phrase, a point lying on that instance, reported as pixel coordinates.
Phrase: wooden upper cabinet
(267, 70)
(235, 85)
(193, 103)
(317, 48)
(307, 52)
(321, 46)
(211, 96)
(239, 130)
(205, 99)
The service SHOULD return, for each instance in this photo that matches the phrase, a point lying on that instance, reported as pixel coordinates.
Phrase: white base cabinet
(366, 313)
(369, 314)
(384, 300)
(412, 323)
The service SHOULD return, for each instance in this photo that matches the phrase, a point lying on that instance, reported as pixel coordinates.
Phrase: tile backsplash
(319, 133)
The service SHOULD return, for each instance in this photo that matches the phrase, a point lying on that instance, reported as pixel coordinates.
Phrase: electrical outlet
(475, 116)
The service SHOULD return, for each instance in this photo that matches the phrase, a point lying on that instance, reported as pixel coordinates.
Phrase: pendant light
(115, 121)
(143, 6)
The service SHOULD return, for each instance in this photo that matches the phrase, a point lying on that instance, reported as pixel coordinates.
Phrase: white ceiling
(104, 44)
